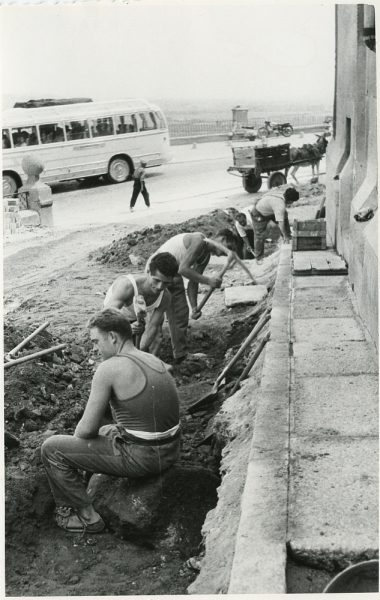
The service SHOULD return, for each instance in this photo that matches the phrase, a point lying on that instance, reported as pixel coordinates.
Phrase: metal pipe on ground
(14, 350)
(22, 359)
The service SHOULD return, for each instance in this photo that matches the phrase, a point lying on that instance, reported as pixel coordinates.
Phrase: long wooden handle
(244, 266)
(258, 327)
(207, 295)
(23, 359)
(251, 362)
(27, 339)
(138, 336)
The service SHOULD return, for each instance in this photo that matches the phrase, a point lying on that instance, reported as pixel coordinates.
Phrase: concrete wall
(351, 180)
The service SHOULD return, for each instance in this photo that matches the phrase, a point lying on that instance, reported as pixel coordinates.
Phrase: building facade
(351, 182)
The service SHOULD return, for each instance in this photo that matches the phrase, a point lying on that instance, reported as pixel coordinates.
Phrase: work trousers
(260, 224)
(178, 317)
(65, 456)
(139, 186)
(251, 239)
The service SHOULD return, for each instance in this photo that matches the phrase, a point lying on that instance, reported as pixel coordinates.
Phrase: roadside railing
(201, 128)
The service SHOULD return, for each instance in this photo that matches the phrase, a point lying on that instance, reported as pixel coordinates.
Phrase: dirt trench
(47, 397)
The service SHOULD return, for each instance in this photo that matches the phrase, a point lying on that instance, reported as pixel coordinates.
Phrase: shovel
(207, 295)
(141, 314)
(228, 265)
(211, 396)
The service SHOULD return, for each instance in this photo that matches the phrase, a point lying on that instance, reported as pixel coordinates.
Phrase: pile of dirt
(47, 397)
(141, 244)
(46, 393)
(310, 194)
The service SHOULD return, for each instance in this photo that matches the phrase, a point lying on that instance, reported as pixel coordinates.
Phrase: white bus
(83, 140)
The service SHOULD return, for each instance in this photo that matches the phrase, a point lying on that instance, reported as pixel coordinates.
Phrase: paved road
(194, 175)
(195, 180)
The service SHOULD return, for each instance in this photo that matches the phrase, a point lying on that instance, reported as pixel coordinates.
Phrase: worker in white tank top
(192, 252)
(151, 285)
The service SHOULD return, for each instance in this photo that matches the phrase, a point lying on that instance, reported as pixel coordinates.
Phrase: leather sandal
(69, 520)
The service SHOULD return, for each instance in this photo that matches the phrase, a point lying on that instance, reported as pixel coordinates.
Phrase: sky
(182, 50)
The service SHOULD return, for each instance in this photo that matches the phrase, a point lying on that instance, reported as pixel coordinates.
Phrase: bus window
(51, 133)
(153, 120)
(100, 127)
(147, 121)
(6, 139)
(24, 136)
(77, 130)
(125, 124)
(161, 120)
(144, 122)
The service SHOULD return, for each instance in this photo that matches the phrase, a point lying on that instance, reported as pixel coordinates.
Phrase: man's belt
(128, 438)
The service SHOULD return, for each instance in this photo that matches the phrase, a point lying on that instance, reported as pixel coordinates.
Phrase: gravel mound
(141, 244)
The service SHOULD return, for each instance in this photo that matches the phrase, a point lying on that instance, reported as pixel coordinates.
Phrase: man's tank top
(176, 247)
(155, 407)
(130, 309)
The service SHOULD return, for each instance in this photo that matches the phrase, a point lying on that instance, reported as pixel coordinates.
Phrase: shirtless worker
(272, 207)
(144, 439)
(152, 286)
(192, 252)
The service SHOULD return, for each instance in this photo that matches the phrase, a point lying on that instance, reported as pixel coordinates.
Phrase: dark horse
(308, 155)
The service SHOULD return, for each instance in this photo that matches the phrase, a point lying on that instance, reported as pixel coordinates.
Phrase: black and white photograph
(190, 298)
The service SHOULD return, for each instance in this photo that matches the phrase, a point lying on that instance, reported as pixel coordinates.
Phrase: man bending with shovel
(192, 252)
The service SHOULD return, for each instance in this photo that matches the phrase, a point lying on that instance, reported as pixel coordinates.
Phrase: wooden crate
(309, 235)
(273, 157)
(244, 156)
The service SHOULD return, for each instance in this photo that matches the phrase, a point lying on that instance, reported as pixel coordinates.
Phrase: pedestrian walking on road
(139, 186)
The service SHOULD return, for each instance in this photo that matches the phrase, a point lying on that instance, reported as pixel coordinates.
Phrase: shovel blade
(202, 402)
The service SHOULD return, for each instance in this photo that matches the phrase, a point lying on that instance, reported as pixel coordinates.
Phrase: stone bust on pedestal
(39, 194)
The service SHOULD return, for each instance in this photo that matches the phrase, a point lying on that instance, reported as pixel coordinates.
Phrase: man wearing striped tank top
(152, 286)
(144, 438)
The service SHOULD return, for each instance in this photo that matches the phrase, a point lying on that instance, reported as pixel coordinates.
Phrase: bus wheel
(276, 179)
(10, 186)
(118, 170)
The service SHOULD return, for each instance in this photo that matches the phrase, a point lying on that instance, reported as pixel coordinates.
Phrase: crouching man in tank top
(152, 285)
(143, 441)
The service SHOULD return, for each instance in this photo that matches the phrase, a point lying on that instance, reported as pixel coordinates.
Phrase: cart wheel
(251, 183)
(276, 179)
(262, 132)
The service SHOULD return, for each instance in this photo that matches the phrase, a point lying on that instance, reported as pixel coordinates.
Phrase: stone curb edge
(259, 565)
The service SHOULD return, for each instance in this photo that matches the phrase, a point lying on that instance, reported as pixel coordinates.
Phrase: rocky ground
(47, 396)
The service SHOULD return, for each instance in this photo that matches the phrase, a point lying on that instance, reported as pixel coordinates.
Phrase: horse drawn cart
(273, 162)
(253, 162)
